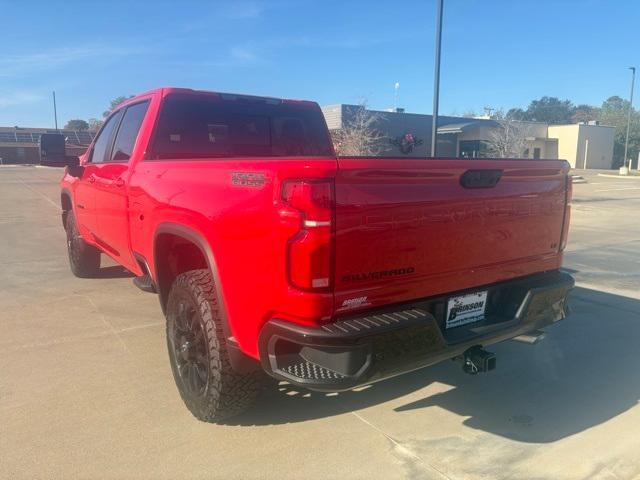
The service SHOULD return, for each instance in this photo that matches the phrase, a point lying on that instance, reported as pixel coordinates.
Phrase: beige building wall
(548, 149)
(567, 136)
(534, 129)
(551, 149)
(572, 144)
(599, 153)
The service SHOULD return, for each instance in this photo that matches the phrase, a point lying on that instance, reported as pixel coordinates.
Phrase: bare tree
(508, 139)
(358, 136)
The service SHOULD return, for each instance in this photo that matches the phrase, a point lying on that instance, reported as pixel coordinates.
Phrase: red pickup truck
(270, 254)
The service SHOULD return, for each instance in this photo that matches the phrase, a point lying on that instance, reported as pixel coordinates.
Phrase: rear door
(111, 183)
(408, 228)
(85, 193)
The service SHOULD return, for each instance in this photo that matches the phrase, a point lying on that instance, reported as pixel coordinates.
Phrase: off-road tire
(84, 259)
(226, 393)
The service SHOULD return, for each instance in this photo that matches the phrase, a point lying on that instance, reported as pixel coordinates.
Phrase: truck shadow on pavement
(115, 271)
(583, 374)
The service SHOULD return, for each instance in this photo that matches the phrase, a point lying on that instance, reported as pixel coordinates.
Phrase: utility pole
(626, 141)
(436, 78)
(55, 111)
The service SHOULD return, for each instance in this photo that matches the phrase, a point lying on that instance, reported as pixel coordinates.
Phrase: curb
(577, 179)
(613, 175)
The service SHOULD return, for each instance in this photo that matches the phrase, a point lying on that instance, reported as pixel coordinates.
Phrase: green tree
(95, 124)
(114, 103)
(550, 110)
(614, 112)
(76, 124)
(516, 114)
(585, 113)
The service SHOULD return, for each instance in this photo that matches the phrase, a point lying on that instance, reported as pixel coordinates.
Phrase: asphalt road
(86, 389)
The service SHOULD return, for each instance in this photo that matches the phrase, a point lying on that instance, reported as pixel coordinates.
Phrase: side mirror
(53, 152)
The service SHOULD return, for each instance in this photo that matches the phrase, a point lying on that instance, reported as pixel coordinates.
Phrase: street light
(436, 79)
(55, 110)
(626, 141)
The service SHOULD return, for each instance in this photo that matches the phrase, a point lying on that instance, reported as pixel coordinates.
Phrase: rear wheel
(207, 383)
(84, 259)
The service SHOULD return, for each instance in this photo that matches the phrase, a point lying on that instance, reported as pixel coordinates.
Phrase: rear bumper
(359, 350)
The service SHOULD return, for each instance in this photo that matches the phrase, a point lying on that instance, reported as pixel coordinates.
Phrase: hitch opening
(477, 360)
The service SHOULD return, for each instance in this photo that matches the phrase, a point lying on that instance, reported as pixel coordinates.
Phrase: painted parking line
(611, 184)
(618, 189)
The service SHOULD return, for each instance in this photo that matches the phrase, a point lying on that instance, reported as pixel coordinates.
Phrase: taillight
(309, 251)
(568, 195)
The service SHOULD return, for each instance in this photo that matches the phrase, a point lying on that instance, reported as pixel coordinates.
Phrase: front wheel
(207, 383)
(84, 259)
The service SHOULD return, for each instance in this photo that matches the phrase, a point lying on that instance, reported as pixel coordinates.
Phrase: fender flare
(63, 212)
(197, 239)
(240, 362)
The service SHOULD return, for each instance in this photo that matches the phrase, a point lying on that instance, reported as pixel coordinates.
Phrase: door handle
(119, 182)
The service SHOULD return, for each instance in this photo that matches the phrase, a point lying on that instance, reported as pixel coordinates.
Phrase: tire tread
(229, 393)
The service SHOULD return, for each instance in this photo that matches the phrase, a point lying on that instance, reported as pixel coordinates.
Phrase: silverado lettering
(360, 277)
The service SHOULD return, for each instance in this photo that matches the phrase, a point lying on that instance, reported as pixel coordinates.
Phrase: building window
(536, 153)
(21, 153)
(526, 153)
(474, 149)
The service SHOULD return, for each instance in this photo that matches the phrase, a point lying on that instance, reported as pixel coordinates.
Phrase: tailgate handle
(480, 178)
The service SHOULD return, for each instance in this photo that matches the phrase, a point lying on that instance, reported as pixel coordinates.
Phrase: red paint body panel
(389, 214)
(414, 216)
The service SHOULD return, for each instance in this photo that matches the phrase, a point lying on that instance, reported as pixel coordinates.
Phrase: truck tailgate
(408, 229)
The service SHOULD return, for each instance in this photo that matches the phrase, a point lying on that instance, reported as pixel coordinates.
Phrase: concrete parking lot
(86, 389)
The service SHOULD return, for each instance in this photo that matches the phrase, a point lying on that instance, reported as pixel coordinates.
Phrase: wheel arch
(195, 238)
(240, 361)
(66, 203)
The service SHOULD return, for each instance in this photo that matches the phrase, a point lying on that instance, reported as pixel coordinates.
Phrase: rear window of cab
(204, 126)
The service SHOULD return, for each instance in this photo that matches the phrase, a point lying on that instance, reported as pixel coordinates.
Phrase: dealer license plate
(465, 309)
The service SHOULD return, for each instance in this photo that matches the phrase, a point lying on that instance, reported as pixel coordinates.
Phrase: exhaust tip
(531, 338)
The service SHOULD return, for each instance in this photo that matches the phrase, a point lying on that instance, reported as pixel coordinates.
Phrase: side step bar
(145, 283)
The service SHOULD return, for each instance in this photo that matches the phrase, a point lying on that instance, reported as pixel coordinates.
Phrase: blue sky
(498, 53)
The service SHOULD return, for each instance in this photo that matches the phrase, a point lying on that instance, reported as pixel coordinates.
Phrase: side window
(101, 146)
(128, 132)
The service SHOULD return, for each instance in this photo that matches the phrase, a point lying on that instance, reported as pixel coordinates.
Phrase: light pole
(626, 141)
(55, 111)
(436, 79)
